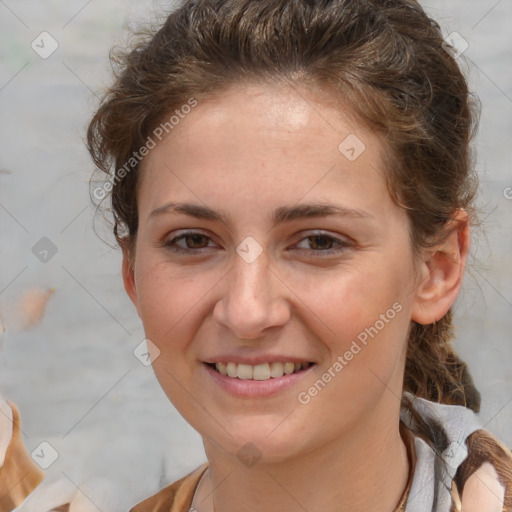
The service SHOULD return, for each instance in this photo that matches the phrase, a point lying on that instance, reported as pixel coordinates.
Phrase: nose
(253, 299)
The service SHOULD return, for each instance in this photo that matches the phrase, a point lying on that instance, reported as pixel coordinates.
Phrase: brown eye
(195, 241)
(322, 244)
(190, 242)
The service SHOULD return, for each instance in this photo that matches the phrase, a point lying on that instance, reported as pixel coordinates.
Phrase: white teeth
(244, 371)
(222, 368)
(262, 371)
(276, 370)
(289, 368)
(231, 369)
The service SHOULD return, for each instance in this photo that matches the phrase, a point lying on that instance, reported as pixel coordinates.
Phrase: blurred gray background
(75, 378)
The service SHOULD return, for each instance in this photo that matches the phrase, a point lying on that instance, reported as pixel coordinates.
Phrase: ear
(128, 272)
(441, 272)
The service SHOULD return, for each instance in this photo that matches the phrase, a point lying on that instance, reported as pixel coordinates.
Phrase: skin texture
(247, 152)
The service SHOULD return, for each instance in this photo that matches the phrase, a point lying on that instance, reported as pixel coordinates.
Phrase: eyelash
(170, 244)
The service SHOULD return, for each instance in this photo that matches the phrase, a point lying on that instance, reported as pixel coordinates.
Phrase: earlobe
(442, 271)
(128, 273)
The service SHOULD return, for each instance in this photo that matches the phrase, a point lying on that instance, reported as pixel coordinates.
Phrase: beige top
(485, 474)
(179, 496)
(19, 474)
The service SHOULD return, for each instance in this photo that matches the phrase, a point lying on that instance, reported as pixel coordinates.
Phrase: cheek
(362, 315)
(167, 300)
(169, 303)
(353, 298)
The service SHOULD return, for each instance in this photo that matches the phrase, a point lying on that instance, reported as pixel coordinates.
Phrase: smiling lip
(255, 388)
(253, 361)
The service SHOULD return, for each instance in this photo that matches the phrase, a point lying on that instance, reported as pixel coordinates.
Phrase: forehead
(272, 110)
(263, 140)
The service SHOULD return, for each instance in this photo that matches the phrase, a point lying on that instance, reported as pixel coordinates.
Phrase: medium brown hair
(385, 59)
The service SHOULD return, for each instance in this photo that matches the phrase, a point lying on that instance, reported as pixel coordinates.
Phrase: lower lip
(254, 388)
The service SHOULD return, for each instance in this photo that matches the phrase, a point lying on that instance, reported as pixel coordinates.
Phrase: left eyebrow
(290, 213)
(280, 215)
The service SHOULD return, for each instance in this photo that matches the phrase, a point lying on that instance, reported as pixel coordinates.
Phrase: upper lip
(254, 360)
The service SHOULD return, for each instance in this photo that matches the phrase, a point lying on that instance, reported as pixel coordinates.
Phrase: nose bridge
(250, 302)
(252, 278)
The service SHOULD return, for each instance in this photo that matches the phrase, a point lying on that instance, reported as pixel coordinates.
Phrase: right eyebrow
(192, 210)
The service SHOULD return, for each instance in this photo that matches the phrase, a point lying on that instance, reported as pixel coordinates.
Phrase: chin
(259, 441)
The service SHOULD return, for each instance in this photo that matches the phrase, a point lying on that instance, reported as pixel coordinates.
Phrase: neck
(366, 469)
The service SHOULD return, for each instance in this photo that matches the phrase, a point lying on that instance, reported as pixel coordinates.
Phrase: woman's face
(246, 267)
